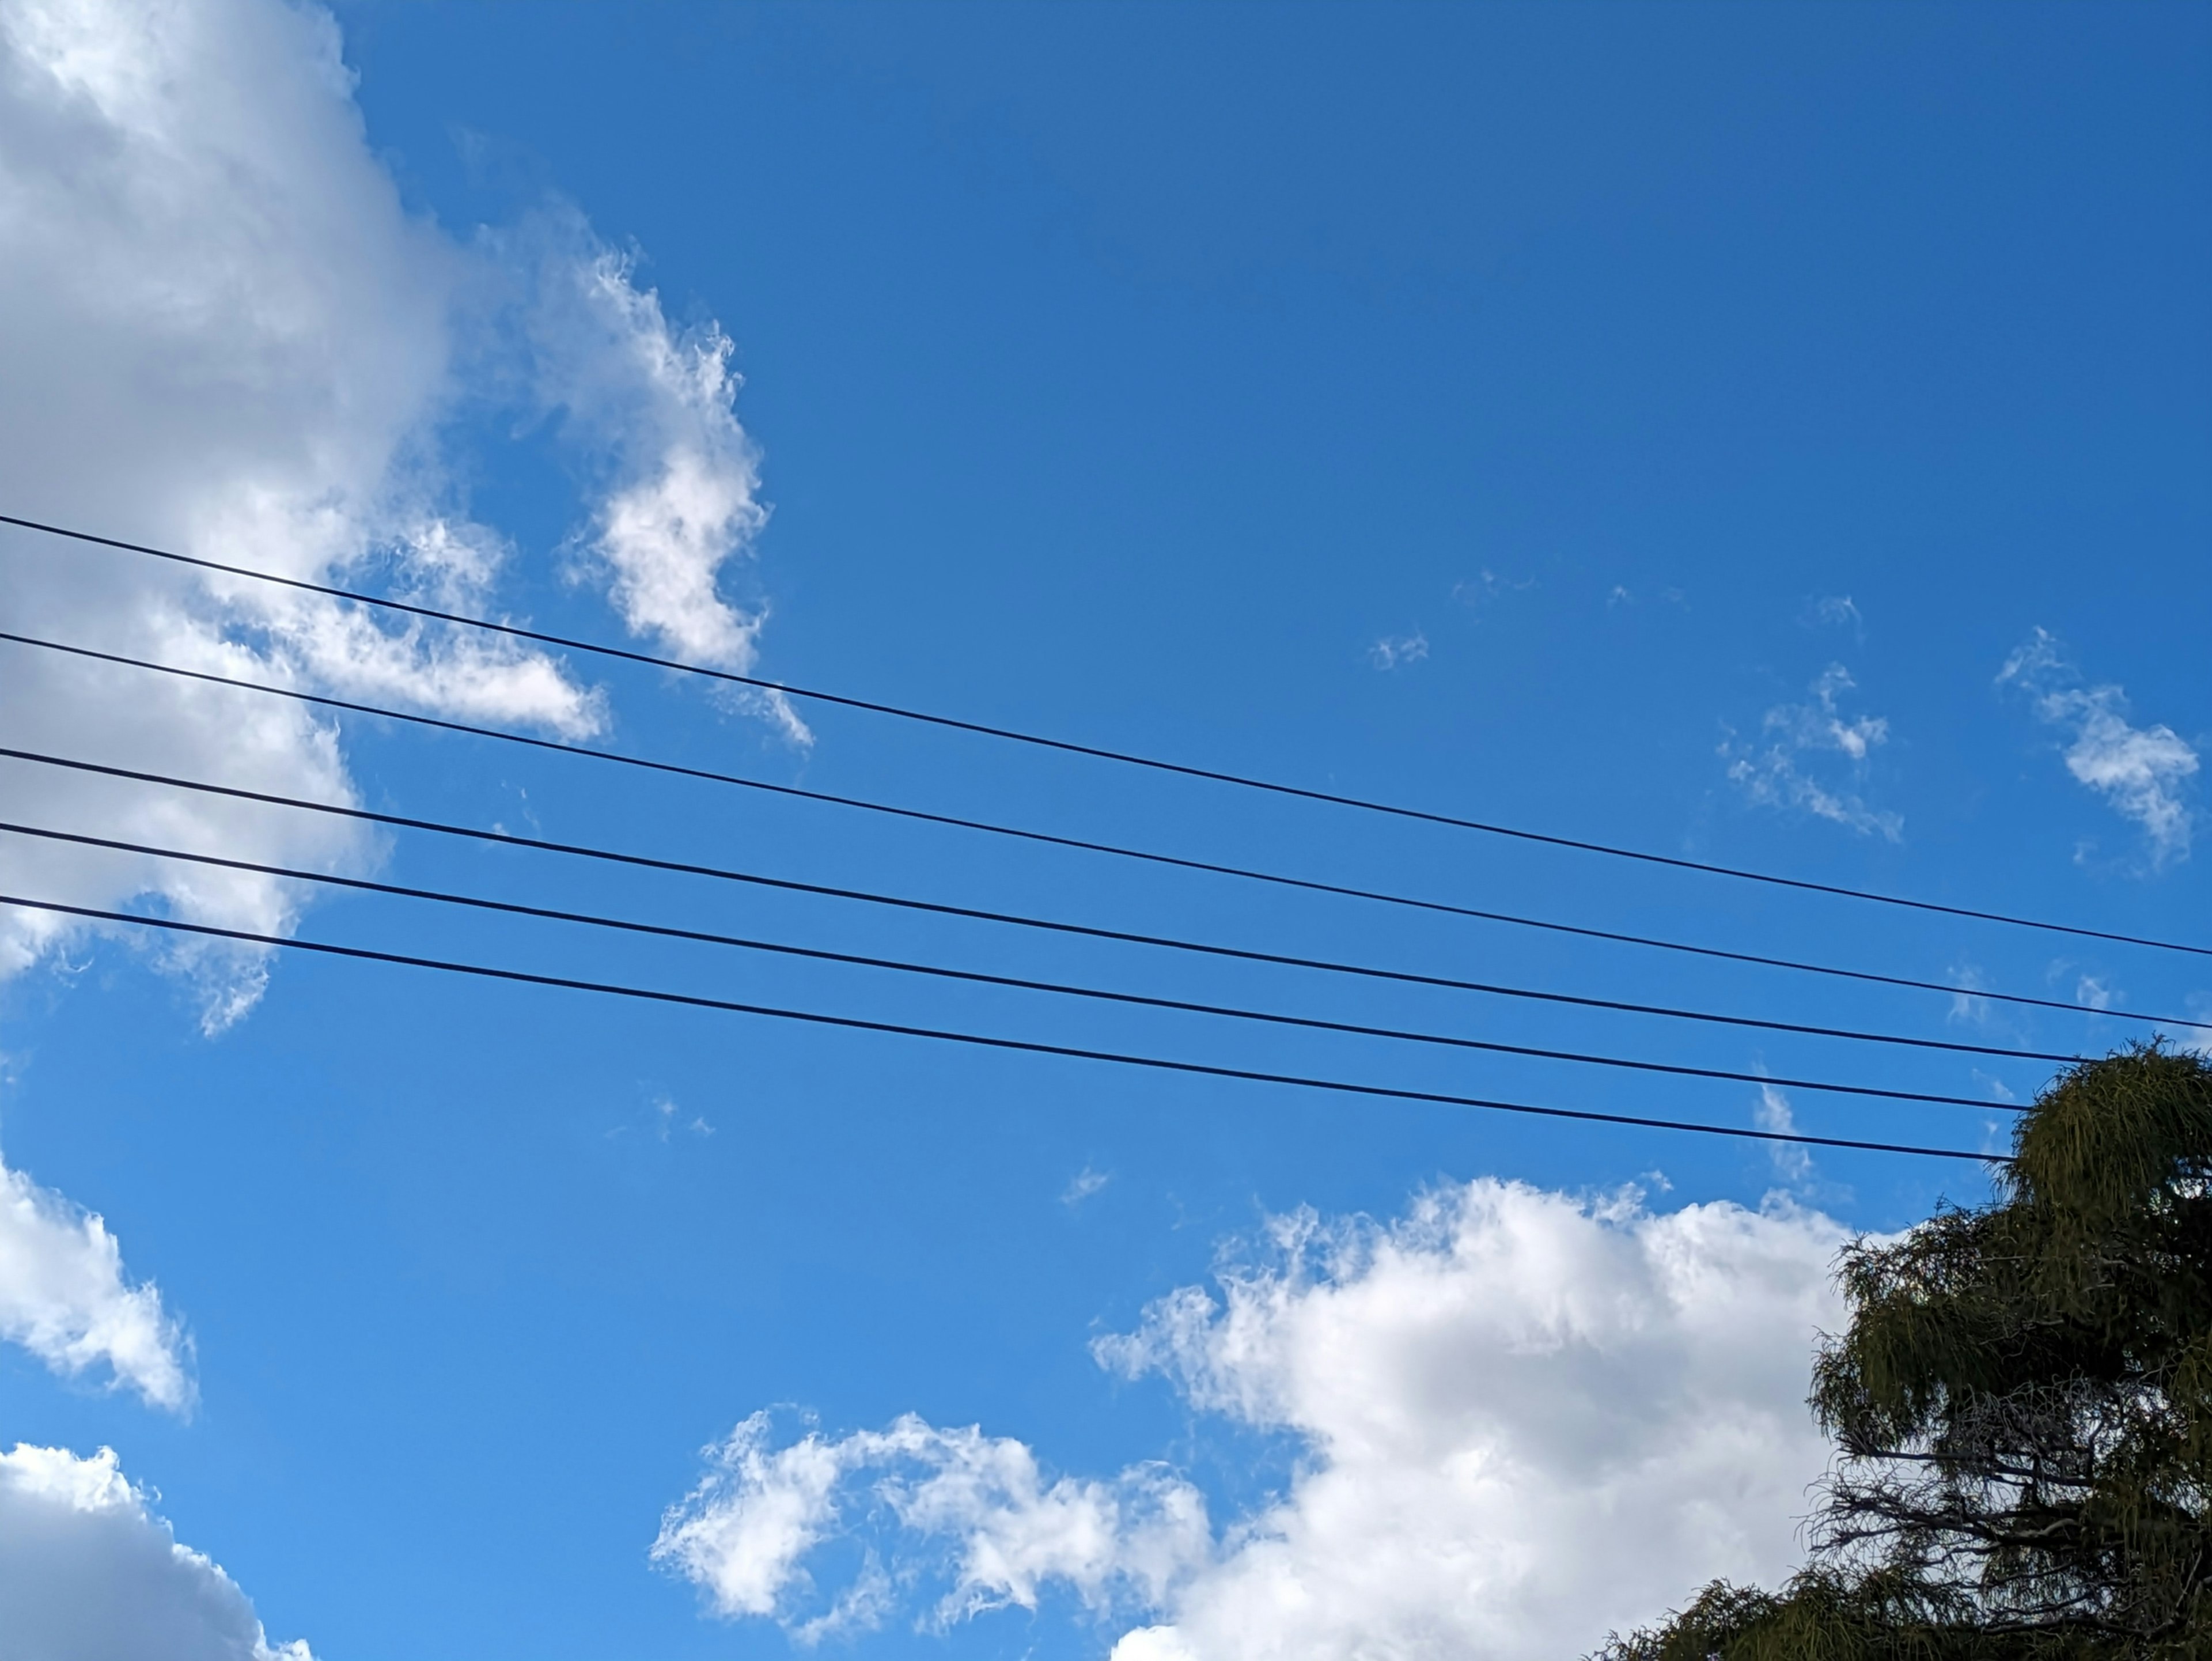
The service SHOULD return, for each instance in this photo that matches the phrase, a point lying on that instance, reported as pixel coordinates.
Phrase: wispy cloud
(973, 1513)
(1966, 1004)
(665, 1121)
(1621, 594)
(668, 1117)
(1484, 587)
(1783, 768)
(2197, 1040)
(1998, 1090)
(2138, 770)
(1392, 650)
(1834, 612)
(1085, 1183)
(1793, 1162)
(651, 408)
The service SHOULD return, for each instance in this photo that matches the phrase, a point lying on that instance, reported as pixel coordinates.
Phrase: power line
(1029, 1046)
(976, 977)
(1082, 844)
(1098, 753)
(725, 873)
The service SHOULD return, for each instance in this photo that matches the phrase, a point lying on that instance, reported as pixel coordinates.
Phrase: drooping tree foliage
(2022, 1409)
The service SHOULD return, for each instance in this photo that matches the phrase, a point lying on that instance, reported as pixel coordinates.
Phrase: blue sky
(1664, 425)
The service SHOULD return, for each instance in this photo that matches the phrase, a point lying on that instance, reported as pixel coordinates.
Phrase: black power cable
(936, 908)
(594, 920)
(1095, 752)
(1207, 867)
(1029, 1046)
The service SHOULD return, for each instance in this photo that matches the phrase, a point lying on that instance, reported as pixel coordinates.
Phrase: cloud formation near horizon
(1521, 1418)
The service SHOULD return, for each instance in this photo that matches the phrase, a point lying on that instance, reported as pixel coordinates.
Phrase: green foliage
(2022, 1407)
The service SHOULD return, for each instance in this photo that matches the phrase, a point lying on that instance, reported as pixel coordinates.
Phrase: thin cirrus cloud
(2141, 771)
(225, 334)
(89, 1572)
(1521, 1418)
(1810, 758)
(65, 1297)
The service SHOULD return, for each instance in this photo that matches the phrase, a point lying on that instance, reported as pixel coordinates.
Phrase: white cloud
(1835, 611)
(974, 1513)
(1478, 592)
(1998, 1090)
(1528, 1418)
(2197, 1040)
(1780, 771)
(652, 408)
(2138, 770)
(1620, 595)
(1793, 1161)
(225, 335)
(1085, 1183)
(1523, 1419)
(1966, 1003)
(90, 1573)
(64, 1297)
(1392, 650)
(2093, 992)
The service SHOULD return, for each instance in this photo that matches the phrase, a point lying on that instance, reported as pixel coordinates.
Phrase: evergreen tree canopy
(2022, 1407)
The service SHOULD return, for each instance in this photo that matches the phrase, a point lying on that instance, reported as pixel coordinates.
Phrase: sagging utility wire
(1082, 844)
(725, 873)
(662, 931)
(820, 1018)
(1095, 752)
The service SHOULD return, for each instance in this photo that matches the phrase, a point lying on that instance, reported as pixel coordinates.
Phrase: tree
(2022, 1407)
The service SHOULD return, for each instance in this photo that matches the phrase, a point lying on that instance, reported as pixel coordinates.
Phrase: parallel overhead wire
(945, 1035)
(664, 931)
(725, 873)
(1086, 845)
(1094, 752)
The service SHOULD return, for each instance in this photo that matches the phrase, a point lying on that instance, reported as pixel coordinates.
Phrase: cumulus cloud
(224, 334)
(1521, 1419)
(1799, 743)
(88, 1572)
(64, 1297)
(2138, 770)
